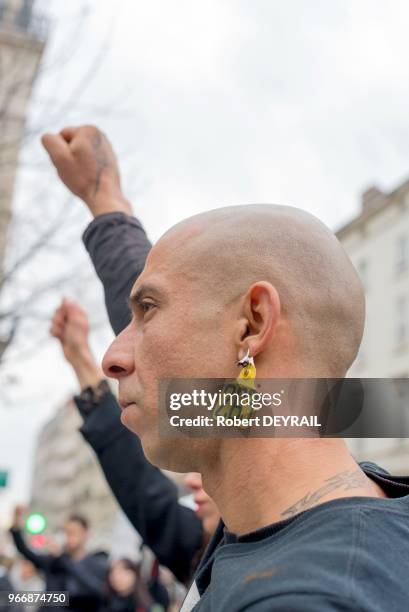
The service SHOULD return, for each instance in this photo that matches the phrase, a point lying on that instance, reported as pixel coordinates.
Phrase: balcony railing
(24, 20)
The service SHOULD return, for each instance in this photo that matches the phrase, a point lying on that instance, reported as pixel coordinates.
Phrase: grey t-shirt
(345, 554)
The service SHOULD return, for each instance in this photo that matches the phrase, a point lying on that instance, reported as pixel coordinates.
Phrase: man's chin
(164, 454)
(161, 452)
(130, 418)
(154, 451)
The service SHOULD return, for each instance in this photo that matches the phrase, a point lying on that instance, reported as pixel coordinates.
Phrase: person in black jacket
(149, 499)
(72, 569)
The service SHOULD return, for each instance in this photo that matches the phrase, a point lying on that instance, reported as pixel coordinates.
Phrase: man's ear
(261, 312)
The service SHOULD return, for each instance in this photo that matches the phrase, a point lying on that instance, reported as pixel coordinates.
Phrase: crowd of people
(280, 524)
(94, 582)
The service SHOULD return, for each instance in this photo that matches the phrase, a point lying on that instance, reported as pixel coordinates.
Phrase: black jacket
(118, 247)
(147, 497)
(84, 579)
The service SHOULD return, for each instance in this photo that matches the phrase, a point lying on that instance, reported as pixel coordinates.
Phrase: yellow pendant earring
(243, 388)
(248, 371)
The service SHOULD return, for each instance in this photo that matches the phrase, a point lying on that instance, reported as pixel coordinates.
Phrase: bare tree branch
(21, 305)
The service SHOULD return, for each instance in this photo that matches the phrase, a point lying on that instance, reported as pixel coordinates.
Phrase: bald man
(275, 282)
(229, 282)
(304, 527)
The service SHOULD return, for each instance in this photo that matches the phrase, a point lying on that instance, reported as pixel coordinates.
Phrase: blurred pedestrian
(71, 568)
(126, 590)
(25, 577)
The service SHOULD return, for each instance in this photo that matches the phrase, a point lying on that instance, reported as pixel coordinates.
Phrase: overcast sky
(209, 104)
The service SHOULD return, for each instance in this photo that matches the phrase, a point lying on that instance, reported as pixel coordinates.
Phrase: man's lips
(124, 403)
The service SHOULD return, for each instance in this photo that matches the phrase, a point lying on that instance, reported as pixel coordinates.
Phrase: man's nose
(118, 361)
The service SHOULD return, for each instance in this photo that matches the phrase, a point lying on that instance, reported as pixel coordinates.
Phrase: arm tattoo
(349, 479)
(101, 159)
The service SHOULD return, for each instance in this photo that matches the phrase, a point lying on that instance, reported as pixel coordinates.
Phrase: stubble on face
(176, 326)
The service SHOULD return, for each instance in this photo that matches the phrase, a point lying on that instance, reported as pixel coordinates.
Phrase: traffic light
(38, 541)
(35, 523)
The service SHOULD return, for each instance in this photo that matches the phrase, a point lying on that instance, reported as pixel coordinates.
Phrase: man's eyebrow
(136, 297)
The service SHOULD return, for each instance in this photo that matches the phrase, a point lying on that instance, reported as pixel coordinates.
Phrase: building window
(363, 273)
(402, 316)
(402, 253)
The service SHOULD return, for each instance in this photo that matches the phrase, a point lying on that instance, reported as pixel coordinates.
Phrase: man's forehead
(158, 277)
(169, 262)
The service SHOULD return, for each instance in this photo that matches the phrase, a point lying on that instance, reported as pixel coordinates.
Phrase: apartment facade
(377, 241)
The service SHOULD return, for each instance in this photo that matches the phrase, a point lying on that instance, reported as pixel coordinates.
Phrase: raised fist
(87, 165)
(70, 325)
(19, 512)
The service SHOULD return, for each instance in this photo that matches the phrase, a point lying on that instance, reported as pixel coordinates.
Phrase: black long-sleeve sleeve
(118, 247)
(147, 497)
(89, 575)
(41, 561)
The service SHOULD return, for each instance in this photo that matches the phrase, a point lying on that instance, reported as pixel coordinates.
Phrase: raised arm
(115, 240)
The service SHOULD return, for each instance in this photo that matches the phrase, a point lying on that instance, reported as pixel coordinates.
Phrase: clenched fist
(70, 325)
(19, 512)
(87, 165)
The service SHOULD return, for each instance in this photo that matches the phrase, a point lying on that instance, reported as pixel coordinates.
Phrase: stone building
(377, 241)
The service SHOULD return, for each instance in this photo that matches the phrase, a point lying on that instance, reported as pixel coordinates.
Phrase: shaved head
(225, 250)
(271, 280)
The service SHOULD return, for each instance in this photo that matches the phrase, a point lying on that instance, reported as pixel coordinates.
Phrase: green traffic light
(36, 523)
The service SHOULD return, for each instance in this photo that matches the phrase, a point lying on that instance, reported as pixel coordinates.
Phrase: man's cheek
(162, 353)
